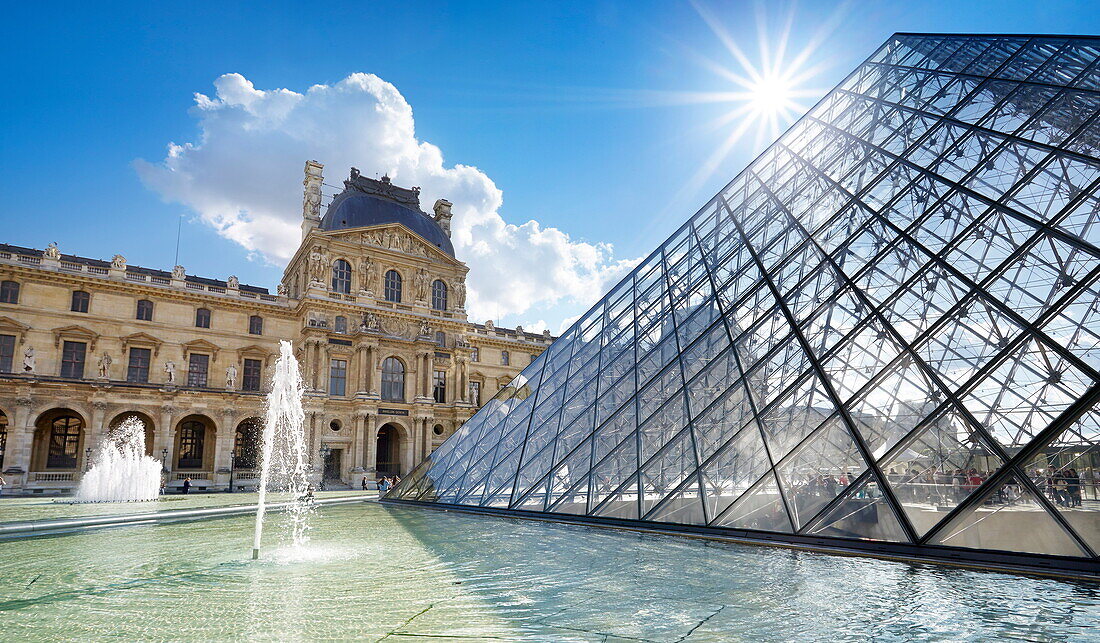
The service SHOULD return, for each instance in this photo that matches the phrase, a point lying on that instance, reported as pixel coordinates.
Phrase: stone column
(408, 451)
(94, 435)
(323, 367)
(226, 435)
(165, 436)
(370, 442)
(357, 433)
(17, 454)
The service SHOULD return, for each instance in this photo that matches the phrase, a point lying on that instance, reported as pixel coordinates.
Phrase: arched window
(341, 324)
(440, 339)
(439, 295)
(9, 292)
(341, 276)
(145, 310)
(505, 358)
(64, 447)
(80, 302)
(393, 380)
(192, 436)
(393, 286)
(246, 446)
(202, 318)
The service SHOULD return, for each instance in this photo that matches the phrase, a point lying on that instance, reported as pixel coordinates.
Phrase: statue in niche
(179, 273)
(105, 365)
(52, 252)
(421, 284)
(118, 262)
(231, 377)
(28, 360)
(317, 264)
(233, 283)
(170, 371)
(459, 289)
(366, 274)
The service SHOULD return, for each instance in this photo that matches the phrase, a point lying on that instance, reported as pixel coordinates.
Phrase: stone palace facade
(373, 302)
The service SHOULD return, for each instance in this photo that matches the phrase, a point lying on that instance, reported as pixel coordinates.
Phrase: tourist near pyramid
(883, 333)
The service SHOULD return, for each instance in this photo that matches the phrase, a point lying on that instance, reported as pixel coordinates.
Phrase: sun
(771, 94)
(765, 93)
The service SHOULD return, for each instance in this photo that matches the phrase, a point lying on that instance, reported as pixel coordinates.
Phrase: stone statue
(489, 324)
(370, 321)
(546, 334)
(281, 290)
(391, 239)
(355, 173)
(373, 237)
(105, 365)
(425, 329)
(317, 264)
(118, 262)
(366, 274)
(179, 273)
(28, 360)
(52, 252)
(459, 289)
(233, 283)
(231, 376)
(170, 371)
(421, 285)
(311, 194)
(519, 330)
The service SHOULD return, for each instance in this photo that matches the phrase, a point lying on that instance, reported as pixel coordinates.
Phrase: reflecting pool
(375, 571)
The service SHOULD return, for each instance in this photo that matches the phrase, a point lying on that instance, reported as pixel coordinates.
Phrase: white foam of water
(121, 472)
(284, 455)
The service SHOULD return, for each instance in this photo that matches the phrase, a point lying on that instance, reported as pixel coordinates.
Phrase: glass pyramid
(885, 329)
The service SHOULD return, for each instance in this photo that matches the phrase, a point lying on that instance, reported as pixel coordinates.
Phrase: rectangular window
(197, 369)
(439, 387)
(9, 292)
(72, 359)
(138, 369)
(145, 310)
(80, 301)
(253, 369)
(475, 354)
(255, 325)
(475, 393)
(202, 318)
(337, 377)
(7, 352)
(505, 358)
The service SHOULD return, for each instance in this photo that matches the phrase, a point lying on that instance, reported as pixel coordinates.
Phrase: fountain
(284, 456)
(122, 471)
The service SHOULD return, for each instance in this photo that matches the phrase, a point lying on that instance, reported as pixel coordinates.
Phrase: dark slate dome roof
(369, 202)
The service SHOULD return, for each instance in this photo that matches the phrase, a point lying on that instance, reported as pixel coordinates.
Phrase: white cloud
(243, 177)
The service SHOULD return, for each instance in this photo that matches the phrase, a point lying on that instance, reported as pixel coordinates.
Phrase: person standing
(2, 483)
(186, 485)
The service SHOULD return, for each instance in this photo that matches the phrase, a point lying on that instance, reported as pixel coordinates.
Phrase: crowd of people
(384, 485)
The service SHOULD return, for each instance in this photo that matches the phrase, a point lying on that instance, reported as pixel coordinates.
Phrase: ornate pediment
(77, 333)
(254, 350)
(13, 327)
(142, 340)
(397, 238)
(201, 346)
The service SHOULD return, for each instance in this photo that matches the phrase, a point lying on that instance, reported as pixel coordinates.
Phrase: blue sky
(580, 114)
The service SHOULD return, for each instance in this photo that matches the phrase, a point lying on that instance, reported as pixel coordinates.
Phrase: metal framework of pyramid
(885, 330)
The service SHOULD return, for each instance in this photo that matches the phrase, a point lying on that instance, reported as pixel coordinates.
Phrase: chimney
(311, 197)
(443, 215)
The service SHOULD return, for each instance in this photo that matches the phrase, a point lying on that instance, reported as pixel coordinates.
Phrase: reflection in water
(371, 571)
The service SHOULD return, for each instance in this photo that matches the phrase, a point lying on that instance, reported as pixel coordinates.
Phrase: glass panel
(1009, 517)
(862, 513)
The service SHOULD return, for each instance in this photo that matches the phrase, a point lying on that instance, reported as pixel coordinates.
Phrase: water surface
(374, 572)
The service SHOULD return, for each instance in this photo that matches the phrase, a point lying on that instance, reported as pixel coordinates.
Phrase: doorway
(387, 458)
(333, 462)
